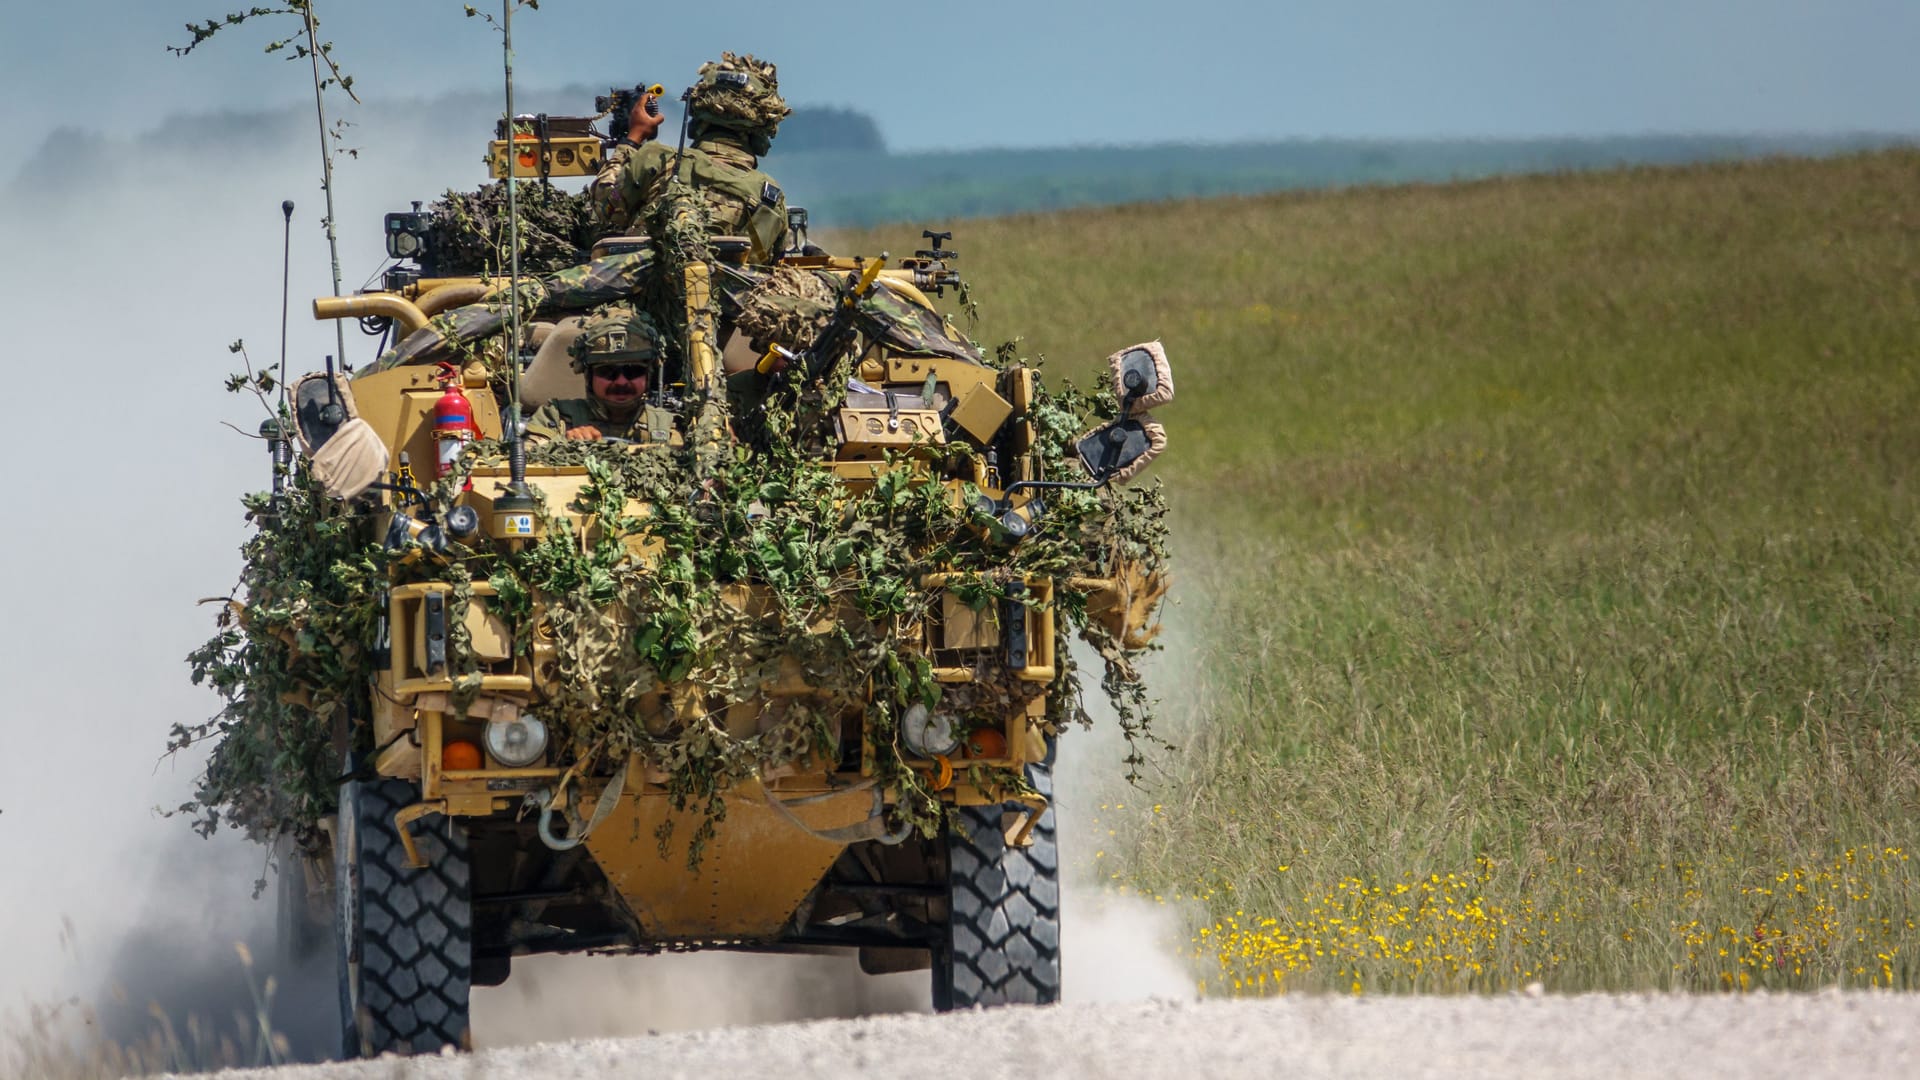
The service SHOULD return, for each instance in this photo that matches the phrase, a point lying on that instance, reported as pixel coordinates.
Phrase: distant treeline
(869, 189)
(834, 161)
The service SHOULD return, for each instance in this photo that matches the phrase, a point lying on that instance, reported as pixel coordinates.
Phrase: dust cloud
(120, 292)
(1117, 945)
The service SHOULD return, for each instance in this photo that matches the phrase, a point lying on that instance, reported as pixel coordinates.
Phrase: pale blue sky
(994, 72)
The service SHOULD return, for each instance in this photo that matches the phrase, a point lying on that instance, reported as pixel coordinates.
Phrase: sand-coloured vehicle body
(789, 678)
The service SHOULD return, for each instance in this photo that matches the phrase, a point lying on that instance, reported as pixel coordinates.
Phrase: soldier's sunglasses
(629, 372)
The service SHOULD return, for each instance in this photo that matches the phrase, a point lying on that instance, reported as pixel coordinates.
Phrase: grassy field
(1550, 606)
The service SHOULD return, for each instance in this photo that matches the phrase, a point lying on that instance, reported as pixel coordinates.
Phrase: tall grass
(72, 1040)
(1557, 539)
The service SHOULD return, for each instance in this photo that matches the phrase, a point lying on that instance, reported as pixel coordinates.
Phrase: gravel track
(1805, 1037)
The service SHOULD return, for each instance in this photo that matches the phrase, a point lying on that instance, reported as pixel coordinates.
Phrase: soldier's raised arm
(631, 176)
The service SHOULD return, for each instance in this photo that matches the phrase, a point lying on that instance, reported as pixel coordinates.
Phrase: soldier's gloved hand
(584, 433)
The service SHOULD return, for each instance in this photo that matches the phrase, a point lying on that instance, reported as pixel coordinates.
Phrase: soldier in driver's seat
(620, 352)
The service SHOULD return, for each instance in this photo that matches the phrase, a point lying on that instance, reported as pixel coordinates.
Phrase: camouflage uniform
(613, 334)
(734, 113)
(554, 419)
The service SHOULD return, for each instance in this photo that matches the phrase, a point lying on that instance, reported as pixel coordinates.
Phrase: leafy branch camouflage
(475, 13)
(467, 233)
(301, 9)
(696, 579)
(292, 661)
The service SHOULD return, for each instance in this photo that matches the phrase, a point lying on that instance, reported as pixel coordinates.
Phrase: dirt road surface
(1805, 1037)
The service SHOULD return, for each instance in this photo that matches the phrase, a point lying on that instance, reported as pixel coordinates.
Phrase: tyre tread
(1003, 925)
(416, 930)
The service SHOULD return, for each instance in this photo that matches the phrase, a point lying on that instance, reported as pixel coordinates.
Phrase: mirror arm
(1005, 502)
(1006, 497)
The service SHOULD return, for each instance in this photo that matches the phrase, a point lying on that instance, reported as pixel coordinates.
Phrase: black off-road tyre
(405, 935)
(1002, 939)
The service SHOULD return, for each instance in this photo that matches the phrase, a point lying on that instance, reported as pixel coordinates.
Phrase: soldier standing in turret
(733, 113)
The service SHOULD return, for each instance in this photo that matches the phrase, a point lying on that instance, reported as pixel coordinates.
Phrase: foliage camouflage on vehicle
(468, 230)
(628, 630)
(291, 661)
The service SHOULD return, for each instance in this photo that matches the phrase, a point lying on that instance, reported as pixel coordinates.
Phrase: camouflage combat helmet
(740, 94)
(615, 334)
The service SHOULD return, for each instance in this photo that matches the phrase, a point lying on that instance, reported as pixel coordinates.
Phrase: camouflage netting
(666, 657)
(789, 305)
(577, 288)
(468, 234)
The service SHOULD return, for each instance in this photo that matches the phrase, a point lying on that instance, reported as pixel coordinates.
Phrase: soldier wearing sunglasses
(621, 353)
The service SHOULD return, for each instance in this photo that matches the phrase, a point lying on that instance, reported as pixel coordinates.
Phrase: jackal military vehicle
(787, 676)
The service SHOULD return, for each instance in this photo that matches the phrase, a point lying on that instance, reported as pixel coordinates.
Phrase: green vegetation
(1550, 554)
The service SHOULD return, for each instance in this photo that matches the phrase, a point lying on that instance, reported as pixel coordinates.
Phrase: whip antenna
(680, 152)
(286, 264)
(518, 456)
(517, 502)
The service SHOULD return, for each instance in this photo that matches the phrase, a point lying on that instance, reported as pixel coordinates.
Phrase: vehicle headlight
(928, 733)
(517, 743)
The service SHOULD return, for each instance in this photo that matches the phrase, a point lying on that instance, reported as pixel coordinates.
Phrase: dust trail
(1117, 945)
(203, 955)
(121, 289)
(550, 998)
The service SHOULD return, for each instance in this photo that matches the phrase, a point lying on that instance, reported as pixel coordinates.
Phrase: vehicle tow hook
(603, 807)
(544, 800)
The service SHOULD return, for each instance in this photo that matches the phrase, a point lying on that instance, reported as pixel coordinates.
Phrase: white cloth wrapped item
(348, 456)
(351, 461)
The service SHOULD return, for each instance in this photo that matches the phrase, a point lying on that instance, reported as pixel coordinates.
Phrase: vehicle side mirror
(348, 455)
(1142, 377)
(322, 404)
(1118, 451)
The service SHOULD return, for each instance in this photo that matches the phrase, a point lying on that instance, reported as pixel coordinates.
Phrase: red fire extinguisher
(453, 425)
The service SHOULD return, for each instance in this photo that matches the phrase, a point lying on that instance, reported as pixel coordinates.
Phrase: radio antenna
(517, 498)
(286, 265)
(513, 220)
(680, 152)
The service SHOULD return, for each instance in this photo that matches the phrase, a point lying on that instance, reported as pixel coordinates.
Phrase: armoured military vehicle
(788, 678)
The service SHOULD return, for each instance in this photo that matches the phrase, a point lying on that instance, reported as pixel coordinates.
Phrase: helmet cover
(740, 94)
(614, 334)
